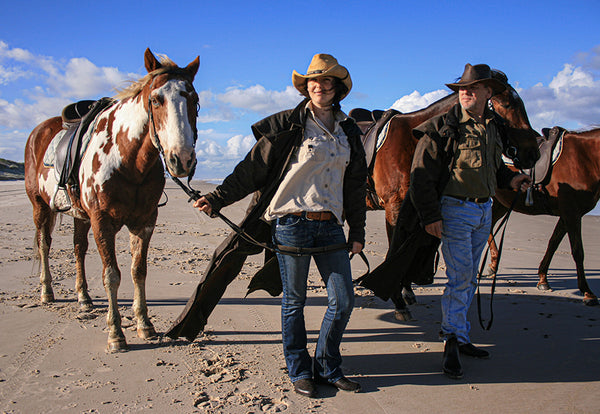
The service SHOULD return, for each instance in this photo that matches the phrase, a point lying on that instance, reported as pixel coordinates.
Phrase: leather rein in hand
(502, 224)
(288, 250)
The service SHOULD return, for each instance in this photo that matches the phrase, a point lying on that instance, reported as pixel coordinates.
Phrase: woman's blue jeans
(334, 268)
(466, 227)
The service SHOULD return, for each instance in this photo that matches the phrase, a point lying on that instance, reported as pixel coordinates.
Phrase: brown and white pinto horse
(391, 170)
(572, 191)
(121, 181)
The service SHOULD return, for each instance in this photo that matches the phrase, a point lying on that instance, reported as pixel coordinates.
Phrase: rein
(501, 225)
(287, 250)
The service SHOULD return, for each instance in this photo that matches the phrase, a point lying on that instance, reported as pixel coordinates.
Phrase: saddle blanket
(556, 151)
(50, 155)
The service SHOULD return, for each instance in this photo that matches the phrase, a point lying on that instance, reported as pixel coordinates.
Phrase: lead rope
(287, 250)
(502, 224)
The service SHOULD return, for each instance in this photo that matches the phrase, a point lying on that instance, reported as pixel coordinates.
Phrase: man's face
(474, 97)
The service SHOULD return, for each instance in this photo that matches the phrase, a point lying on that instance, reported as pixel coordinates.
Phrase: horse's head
(172, 104)
(522, 146)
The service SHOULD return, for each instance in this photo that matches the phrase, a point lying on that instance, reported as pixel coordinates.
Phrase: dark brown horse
(121, 180)
(573, 189)
(391, 170)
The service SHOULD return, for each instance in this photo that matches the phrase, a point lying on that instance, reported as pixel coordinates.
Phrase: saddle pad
(50, 155)
(556, 151)
(382, 136)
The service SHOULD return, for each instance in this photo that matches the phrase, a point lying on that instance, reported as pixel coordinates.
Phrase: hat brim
(497, 86)
(338, 71)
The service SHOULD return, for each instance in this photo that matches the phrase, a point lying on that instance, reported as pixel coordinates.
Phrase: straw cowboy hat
(322, 65)
(478, 73)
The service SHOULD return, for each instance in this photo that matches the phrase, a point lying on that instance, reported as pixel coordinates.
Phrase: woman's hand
(202, 204)
(356, 247)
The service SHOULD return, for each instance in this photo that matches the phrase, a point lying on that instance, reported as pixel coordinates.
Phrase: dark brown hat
(478, 73)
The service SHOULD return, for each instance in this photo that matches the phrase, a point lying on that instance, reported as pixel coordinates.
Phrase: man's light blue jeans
(466, 227)
(334, 268)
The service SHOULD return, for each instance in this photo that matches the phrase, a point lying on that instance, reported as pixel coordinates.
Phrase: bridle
(154, 134)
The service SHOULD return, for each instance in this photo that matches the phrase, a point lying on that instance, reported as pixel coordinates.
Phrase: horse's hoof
(409, 297)
(117, 345)
(402, 315)
(85, 302)
(47, 297)
(590, 301)
(86, 305)
(543, 286)
(147, 333)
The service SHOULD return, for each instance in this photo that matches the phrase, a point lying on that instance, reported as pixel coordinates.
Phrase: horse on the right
(569, 190)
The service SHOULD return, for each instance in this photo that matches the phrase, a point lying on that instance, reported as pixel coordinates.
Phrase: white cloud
(416, 101)
(571, 99)
(258, 99)
(82, 79)
(218, 161)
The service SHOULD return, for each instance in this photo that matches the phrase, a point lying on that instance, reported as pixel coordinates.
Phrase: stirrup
(65, 196)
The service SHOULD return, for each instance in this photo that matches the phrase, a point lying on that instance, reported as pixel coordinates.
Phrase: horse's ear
(150, 61)
(193, 66)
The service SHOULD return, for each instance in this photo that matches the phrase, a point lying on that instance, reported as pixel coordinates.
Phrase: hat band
(315, 72)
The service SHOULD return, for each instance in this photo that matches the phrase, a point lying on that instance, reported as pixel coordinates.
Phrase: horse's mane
(136, 86)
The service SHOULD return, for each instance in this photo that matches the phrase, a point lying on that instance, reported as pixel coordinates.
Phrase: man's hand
(435, 229)
(521, 182)
(202, 204)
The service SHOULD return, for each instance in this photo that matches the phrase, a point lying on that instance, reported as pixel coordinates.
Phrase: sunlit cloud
(258, 99)
(416, 101)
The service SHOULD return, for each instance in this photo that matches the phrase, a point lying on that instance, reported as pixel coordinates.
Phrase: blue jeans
(334, 268)
(466, 227)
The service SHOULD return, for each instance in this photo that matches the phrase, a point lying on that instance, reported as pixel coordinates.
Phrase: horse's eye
(155, 102)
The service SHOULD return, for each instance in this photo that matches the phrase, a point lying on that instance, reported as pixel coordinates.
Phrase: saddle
(76, 119)
(373, 125)
(550, 146)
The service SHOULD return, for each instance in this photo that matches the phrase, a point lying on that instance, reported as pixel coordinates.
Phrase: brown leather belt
(315, 215)
(481, 200)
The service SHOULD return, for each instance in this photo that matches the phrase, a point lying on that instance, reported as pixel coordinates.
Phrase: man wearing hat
(308, 172)
(456, 169)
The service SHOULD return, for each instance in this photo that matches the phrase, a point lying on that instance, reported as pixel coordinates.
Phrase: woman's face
(321, 91)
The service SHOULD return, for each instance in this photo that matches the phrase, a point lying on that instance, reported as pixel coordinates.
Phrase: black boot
(451, 362)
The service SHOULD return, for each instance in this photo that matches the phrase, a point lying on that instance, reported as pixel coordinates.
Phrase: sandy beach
(545, 346)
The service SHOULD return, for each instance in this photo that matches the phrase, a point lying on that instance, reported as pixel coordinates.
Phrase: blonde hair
(135, 87)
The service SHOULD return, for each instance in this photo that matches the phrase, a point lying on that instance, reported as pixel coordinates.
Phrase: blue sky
(399, 53)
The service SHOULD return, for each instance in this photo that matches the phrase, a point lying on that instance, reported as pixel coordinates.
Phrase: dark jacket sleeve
(504, 176)
(355, 185)
(426, 173)
(248, 176)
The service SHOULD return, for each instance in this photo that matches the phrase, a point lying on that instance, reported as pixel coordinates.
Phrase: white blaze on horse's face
(173, 106)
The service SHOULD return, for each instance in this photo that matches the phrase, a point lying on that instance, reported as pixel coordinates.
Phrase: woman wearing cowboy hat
(308, 173)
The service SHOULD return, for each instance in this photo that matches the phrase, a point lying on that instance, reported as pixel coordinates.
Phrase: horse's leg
(492, 266)
(44, 219)
(407, 294)
(80, 242)
(557, 235)
(498, 211)
(573, 225)
(104, 234)
(139, 241)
